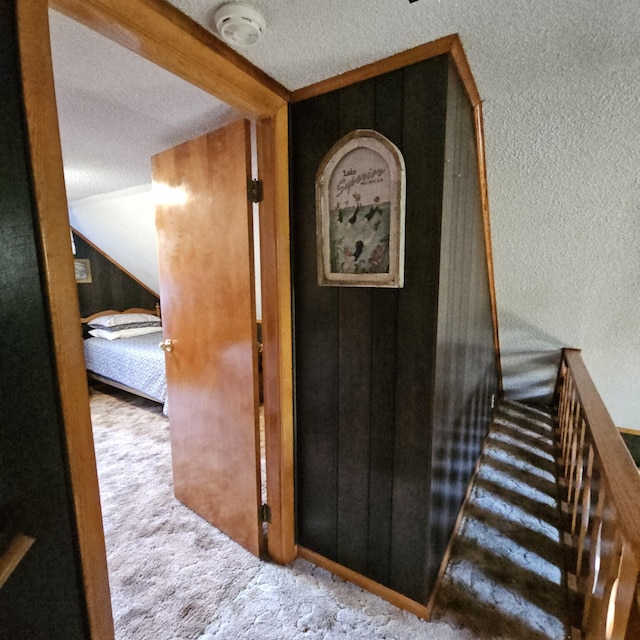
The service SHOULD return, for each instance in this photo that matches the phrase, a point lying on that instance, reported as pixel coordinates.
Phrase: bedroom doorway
(197, 57)
(207, 303)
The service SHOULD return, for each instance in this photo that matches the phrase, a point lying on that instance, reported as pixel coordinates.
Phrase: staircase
(547, 544)
(505, 575)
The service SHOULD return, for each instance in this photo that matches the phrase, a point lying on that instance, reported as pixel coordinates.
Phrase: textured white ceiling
(116, 110)
(560, 82)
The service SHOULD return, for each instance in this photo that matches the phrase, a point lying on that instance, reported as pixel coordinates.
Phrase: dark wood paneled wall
(111, 287)
(466, 367)
(43, 597)
(365, 359)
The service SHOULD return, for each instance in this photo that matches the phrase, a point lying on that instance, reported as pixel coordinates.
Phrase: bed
(121, 349)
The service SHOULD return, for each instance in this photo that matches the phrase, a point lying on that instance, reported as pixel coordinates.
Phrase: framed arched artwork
(360, 206)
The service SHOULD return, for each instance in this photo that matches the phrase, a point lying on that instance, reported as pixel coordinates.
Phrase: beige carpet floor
(173, 576)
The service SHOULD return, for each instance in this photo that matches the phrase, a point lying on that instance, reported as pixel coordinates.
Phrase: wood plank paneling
(356, 110)
(392, 385)
(466, 372)
(365, 357)
(111, 288)
(316, 331)
(423, 148)
(384, 369)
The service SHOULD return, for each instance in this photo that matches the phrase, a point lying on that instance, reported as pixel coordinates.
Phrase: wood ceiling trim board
(159, 32)
(392, 63)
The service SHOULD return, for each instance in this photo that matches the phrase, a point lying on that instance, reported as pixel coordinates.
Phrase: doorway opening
(87, 209)
(198, 57)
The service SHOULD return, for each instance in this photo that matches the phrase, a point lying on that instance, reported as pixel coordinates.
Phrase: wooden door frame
(165, 36)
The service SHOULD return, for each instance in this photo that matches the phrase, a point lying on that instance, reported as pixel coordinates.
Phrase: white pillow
(123, 333)
(119, 319)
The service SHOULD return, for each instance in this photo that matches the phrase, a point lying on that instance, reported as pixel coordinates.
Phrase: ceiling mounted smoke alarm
(239, 24)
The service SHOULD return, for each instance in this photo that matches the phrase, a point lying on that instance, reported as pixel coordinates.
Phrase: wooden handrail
(601, 502)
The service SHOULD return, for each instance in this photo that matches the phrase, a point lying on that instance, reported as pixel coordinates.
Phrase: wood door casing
(222, 77)
(205, 250)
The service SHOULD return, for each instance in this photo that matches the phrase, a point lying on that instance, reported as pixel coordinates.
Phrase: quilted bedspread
(136, 362)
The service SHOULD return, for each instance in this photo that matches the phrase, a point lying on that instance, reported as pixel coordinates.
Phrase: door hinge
(265, 513)
(255, 191)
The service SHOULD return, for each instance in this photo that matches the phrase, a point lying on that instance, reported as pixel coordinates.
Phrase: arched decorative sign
(360, 204)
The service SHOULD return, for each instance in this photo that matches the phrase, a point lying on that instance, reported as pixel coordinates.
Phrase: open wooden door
(205, 251)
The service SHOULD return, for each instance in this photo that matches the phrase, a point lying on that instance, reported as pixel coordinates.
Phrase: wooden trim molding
(50, 197)
(11, 557)
(277, 356)
(162, 34)
(167, 37)
(395, 598)
(484, 197)
(115, 264)
(464, 70)
(392, 63)
(448, 44)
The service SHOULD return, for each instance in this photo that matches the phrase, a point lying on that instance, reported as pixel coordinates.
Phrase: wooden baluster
(575, 500)
(574, 413)
(566, 412)
(588, 584)
(603, 590)
(573, 461)
(565, 397)
(623, 593)
(585, 513)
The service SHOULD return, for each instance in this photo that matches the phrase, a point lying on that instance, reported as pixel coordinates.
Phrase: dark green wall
(111, 288)
(43, 598)
(368, 362)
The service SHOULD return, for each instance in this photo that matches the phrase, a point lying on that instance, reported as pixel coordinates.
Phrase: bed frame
(110, 312)
(109, 381)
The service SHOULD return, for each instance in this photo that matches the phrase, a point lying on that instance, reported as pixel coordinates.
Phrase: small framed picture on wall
(360, 210)
(82, 268)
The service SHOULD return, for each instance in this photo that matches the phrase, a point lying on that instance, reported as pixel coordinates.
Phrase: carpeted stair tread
(505, 575)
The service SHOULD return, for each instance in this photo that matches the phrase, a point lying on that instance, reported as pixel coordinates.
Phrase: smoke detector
(239, 24)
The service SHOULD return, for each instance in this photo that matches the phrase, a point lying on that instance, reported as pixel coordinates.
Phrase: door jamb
(162, 34)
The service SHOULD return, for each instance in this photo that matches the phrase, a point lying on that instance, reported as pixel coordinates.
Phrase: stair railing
(600, 488)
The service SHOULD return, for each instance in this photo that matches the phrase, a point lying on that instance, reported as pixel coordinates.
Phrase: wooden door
(205, 252)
